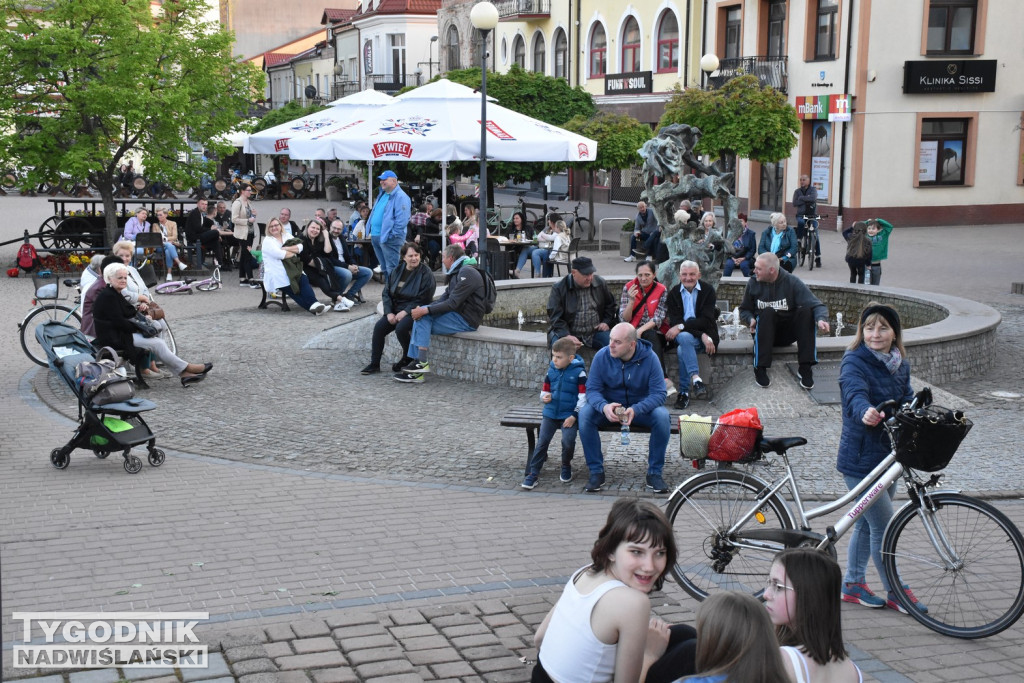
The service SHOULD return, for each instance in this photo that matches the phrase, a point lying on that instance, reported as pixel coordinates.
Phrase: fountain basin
(947, 338)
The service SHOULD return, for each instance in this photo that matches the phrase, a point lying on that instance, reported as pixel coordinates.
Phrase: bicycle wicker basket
(47, 284)
(699, 440)
(928, 437)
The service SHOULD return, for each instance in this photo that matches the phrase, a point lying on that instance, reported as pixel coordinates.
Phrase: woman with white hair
(112, 318)
(780, 240)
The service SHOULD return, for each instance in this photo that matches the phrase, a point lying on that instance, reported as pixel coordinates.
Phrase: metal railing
(769, 70)
(516, 8)
(386, 82)
(341, 89)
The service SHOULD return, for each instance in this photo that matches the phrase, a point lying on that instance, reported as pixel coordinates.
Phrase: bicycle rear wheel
(584, 228)
(168, 338)
(812, 240)
(38, 316)
(710, 558)
(964, 561)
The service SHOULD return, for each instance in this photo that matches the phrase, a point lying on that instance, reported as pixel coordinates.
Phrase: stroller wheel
(101, 454)
(132, 464)
(59, 458)
(156, 457)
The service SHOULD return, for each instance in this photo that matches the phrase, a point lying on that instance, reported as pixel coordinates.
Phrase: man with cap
(780, 309)
(389, 221)
(582, 307)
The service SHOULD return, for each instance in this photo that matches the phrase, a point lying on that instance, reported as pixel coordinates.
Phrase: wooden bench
(528, 417)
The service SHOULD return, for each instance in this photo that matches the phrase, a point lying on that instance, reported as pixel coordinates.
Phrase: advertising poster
(821, 158)
(926, 161)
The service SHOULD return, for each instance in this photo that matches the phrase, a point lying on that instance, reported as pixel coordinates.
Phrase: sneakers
(670, 389)
(656, 483)
(370, 369)
(408, 377)
(892, 603)
(182, 267)
(244, 283)
(565, 476)
(700, 390)
(318, 309)
(530, 481)
(348, 302)
(817, 263)
(682, 400)
(860, 594)
(342, 306)
(806, 377)
(254, 284)
(397, 367)
(377, 270)
(169, 277)
(761, 377)
(629, 259)
(416, 368)
(595, 482)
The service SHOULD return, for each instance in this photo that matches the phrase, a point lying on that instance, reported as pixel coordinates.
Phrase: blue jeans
(305, 298)
(523, 255)
(658, 421)
(548, 427)
(686, 352)
(345, 275)
(541, 264)
(389, 254)
(445, 323)
(866, 539)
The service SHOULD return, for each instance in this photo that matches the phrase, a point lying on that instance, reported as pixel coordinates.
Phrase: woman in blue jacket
(874, 370)
(780, 240)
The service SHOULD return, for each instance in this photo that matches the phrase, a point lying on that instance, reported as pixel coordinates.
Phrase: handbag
(928, 437)
(154, 311)
(144, 326)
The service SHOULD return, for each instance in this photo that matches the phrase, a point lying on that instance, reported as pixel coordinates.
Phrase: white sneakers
(629, 259)
(342, 306)
(348, 302)
(169, 278)
(318, 309)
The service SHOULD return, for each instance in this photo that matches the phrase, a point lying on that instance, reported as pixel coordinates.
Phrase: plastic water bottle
(624, 432)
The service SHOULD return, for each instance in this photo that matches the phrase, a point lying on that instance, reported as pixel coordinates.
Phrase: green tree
(741, 118)
(83, 83)
(618, 137)
(542, 97)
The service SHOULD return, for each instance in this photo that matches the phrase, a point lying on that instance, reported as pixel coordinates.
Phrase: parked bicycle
(45, 295)
(189, 285)
(809, 248)
(962, 557)
(579, 226)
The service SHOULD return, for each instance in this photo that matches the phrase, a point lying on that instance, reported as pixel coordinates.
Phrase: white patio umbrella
(440, 121)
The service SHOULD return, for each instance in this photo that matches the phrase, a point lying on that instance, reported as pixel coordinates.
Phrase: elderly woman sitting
(112, 318)
(780, 240)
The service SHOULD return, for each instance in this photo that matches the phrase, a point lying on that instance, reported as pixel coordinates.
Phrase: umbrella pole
(444, 204)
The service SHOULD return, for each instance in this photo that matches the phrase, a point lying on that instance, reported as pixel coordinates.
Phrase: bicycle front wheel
(964, 561)
(168, 337)
(812, 240)
(38, 316)
(714, 555)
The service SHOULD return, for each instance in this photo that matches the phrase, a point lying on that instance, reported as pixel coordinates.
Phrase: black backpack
(490, 290)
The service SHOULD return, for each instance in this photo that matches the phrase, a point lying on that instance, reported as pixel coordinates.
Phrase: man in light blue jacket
(389, 221)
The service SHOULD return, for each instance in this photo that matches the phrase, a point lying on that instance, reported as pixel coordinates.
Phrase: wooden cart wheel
(9, 180)
(139, 183)
(298, 184)
(47, 232)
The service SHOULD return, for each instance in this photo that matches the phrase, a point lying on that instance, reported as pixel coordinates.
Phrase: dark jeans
(729, 266)
(209, 242)
(657, 340)
(856, 270)
(776, 328)
(548, 427)
(305, 298)
(246, 264)
(403, 332)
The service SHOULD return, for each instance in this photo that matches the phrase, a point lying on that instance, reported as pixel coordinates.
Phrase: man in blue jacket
(389, 222)
(625, 386)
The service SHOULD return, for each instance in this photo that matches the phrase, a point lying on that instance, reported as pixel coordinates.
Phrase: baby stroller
(103, 429)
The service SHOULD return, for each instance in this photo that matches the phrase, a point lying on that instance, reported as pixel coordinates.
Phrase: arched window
(598, 52)
(630, 46)
(519, 51)
(561, 55)
(538, 52)
(668, 42)
(452, 49)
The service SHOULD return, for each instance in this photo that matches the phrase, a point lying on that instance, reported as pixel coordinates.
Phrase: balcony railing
(387, 83)
(341, 89)
(769, 70)
(512, 9)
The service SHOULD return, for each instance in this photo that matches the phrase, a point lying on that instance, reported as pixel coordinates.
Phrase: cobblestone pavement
(340, 527)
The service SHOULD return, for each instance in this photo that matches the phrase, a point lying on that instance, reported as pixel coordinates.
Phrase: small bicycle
(963, 558)
(188, 285)
(809, 249)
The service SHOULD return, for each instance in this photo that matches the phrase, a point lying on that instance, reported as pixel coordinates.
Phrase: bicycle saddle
(781, 444)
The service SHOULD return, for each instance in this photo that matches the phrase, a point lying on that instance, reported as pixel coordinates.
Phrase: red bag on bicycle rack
(735, 436)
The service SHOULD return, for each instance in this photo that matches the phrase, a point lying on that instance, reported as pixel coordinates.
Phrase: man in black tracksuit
(780, 309)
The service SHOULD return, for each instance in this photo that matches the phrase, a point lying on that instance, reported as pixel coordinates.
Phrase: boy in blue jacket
(563, 394)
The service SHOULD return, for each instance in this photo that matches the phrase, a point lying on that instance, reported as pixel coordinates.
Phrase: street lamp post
(430, 56)
(484, 17)
(708, 65)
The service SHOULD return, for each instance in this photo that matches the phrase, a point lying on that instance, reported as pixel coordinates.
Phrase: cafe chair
(566, 255)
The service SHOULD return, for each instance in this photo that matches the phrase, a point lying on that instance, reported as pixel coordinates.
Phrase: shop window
(942, 152)
(951, 27)
(668, 43)
(598, 52)
(519, 51)
(825, 33)
(561, 55)
(630, 46)
(538, 52)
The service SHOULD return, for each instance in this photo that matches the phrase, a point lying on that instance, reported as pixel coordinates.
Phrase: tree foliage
(545, 98)
(85, 83)
(741, 118)
(618, 137)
